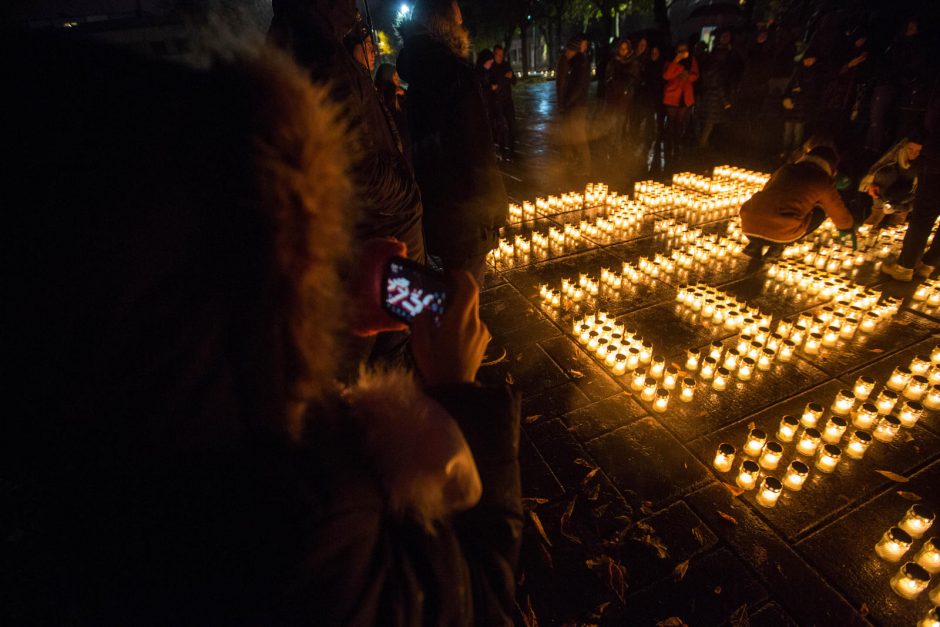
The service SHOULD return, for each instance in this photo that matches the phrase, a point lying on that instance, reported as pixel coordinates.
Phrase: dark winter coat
(576, 84)
(721, 72)
(679, 82)
(455, 164)
(651, 89)
(621, 81)
(781, 211)
(504, 85)
(805, 89)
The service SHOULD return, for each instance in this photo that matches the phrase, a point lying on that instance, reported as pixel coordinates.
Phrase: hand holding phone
(409, 289)
(366, 314)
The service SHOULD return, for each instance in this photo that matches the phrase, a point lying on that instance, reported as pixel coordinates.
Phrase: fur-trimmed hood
(426, 45)
(422, 459)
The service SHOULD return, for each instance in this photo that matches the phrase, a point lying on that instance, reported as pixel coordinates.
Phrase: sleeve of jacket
(491, 532)
(671, 70)
(831, 203)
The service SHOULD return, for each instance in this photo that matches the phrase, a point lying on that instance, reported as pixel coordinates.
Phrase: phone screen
(409, 289)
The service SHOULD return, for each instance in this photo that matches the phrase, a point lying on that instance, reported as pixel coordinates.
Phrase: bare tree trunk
(524, 36)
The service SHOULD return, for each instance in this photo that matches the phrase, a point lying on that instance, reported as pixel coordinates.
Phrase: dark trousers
(925, 213)
(816, 219)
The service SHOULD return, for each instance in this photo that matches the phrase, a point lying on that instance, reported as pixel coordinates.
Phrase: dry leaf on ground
(538, 527)
(613, 571)
(580, 461)
(910, 496)
(565, 519)
(731, 519)
(740, 618)
(647, 508)
(532, 501)
(678, 573)
(864, 611)
(893, 476)
(528, 614)
(547, 556)
(699, 535)
(733, 489)
(576, 374)
(533, 418)
(672, 621)
(589, 476)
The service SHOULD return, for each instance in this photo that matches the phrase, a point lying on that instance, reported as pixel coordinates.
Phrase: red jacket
(678, 90)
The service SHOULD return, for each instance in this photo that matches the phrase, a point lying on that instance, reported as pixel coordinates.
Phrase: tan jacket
(781, 211)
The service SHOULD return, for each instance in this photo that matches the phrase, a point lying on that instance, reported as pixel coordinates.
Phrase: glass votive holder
(866, 416)
(858, 444)
(747, 475)
(786, 350)
(661, 400)
(766, 359)
(731, 359)
(649, 389)
(849, 326)
(843, 403)
(920, 365)
(830, 336)
(707, 370)
(899, 378)
(933, 376)
(828, 458)
(935, 595)
(770, 455)
(720, 380)
(932, 399)
(887, 429)
(620, 364)
(886, 401)
(657, 366)
(808, 442)
(917, 520)
(646, 352)
(754, 350)
(812, 344)
(693, 357)
(835, 427)
(893, 544)
(724, 457)
(929, 555)
(916, 388)
(715, 349)
(787, 429)
(633, 358)
(744, 343)
(746, 369)
(935, 355)
(910, 413)
(863, 388)
(932, 617)
(811, 414)
(910, 581)
(869, 322)
(798, 333)
(754, 444)
(638, 379)
(688, 389)
(769, 492)
(796, 475)
(670, 377)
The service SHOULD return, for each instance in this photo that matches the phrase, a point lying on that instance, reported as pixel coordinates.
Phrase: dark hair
(498, 47)
(574, 42)
(484, 55)
(826, 153)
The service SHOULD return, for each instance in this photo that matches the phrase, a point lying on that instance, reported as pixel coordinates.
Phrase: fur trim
(423, 460)
(821, 163)
(448, 32)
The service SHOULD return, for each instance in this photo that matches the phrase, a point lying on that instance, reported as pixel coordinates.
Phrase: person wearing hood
(573, 97)
(489, 84)
(622, 77)
(891, 183)
(318, 34)
(679, 76)
(721, 73)
(464, 195)
(795, 201)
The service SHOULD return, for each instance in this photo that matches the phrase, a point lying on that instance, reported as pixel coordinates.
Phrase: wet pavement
(628, 522)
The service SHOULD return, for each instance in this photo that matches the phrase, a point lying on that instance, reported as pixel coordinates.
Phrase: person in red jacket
(678, 95)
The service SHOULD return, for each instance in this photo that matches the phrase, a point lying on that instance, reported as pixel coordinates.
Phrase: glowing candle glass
(929, 555)
(639, 379)
(932, 400)
(858, 444)
(866, 416)
(830, 336)
(935, 354)
(769, 492)
(731, 359)
(811, 414)
(843, 403)
(766, 359)
(796, 475)
(715, 349)
(720, 381)
(910, 581)
(899, 378)
(813, 341)
(828, 458)
(916, 388)
(747, 475)
(707, 371)
(835, 427)
(787, 429)
(694, 355)
(620, 364)
(887, 429)
(893, 544)
(935, 595)
(770, 455)
(688, 389)
(910, 413)
(724, 457)
(786, 350)
(863, 387)
(920, 365)
(932, 617)
(917, 520)
(649, 389)
(670, 377)
(808, 442)
(661, 400)
(886, 402)
(755, 442)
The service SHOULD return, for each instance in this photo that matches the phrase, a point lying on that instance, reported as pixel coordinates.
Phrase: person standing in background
(679, 76)
(572, 104)
(392, 95)
(721, 72)
(505, 79)
(621, 78)
(801, 101)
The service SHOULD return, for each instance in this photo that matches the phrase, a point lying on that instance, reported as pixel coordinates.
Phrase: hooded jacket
(465, 200)
(679, 78)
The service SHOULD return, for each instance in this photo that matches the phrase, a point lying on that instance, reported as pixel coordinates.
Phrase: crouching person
(795, 202)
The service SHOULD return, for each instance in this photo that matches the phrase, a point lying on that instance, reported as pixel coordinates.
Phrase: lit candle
(657, 366)
(899, 378)
(638, 380)
(828, 458)
(869, 322)
(932, 617)
(910, 581)
(843, 403)
(798, 333)
(649, 389)
(731, 359)
(830, 336)
(935, 595)
(813, 341)
(766, 359)
(720, 382)
(916, 388)
(646, 353)
(934, 375)
(917, 520)
(707, 371)
(769, 492)
(661, 400)
(692, 360)
(755, 442)
(755, 349)
(935, 355)
(787, 429)
(747, 475)
(887, 429)
(849, 326)
(688, 389)
(920, 365)
(770, 455)
(886, 401)
(601, 350)
(835, 427)
(786, 350)
(863, 387)
(796, 475)
(910, 413)
(744, 343)
(620, 364)
(715, 349)
(746, 369)
(808, 442)
(932, 401)
(858, 444)
(593, 339)
(811, 414)
(724, 457)
(893, 544)
(670, 377)
(633, 358)
(929, 555)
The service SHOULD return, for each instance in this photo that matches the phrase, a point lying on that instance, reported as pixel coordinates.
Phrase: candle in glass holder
(744, 343)
(899, 378)
(916, 388)
(661, 400)
(935, 595)
(620, 364)
(813, 341)
(932, 400)
(601, 350)
(920, 365)
(649, 389)
(811, 414)
(657, 366)
(863, 387)
(929, 555)
(887, 429)
(720, 381)
(858, 444)
(910, 581)
(756, 439)
(933, 376)
(935, 355)
(747, 475)
(835, 427)
(731, 359)
(893, 544)
(787, 429)
(755, 349)
(910, 413)
(715, 349)
(766, 359)
(849, 326)
(639, 378)
(917, 520)
(932, 617)
(746, 369)
(828, 458)
(646, 353)
(886, 401)
(694, 355)
(707, 371)
(724, 457)
(830, 336)
(770, 455)
(786, 350)
(670, 377)
(866, 416)
(796, 475)
(769, 492)
(869, 322)
(688, 389)
(808, 442)
(798, 333)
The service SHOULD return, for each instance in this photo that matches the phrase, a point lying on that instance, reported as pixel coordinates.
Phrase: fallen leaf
(739, 617)
(877, 350)
(679, 571)
(864, 610)
(733, 489)
(613, 571)
(594, 492)
(575, 374)
(509, 379)
(533, 418)
(589, 476)
(908, 437)
(699, 535)
(760, 554)
(910, 496)
(547, 556)
(731, 519)
(599, 511)
(538, 527)
(599, 610)
(530, 501)
(565, 519)
(893, 476)
(583, 462)
(647, 508)
(528, 614)
(672, 621)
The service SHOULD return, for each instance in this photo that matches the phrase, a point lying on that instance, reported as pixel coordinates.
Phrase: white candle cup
(916, 388)
(707, 371)
(858, 444)
(754, 444)
(811, 414)
(770, 455)
(812, 344)
(910, 413)
(747, 475)
(720, 380)
(661, 400)
(688, 390)
(646, 353)
(744, 343)
(657, 366)
(787, 430)
(715, 349)
(869, 322)
(649, 389)
(746, 369)
(796, 475)
(593, 338)
(847, 332)
(929, 555)
(843, 403)
(769, 492)
(620, 364)
(886, 401)
(601, 349)
(835, 427)
(693, 357)
(828, 458)
(754, 350)
(899, 378)
(731, 359)
(932, 617)
(920, 365)
(935, 355)
(786, 350)
(863, 387)
(638, 379)
(917, 520)
(893, 544)
(830, 336)
(633, 358)
(932, 400)
(808, 442)
(910, 581)
(766, 359)
(887, 429)
(670, 377)
(724, 457)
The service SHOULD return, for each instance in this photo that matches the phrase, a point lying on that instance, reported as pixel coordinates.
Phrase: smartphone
(408, 288)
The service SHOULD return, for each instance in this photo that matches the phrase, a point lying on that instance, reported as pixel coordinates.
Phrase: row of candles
(728, 172)
(914, 576)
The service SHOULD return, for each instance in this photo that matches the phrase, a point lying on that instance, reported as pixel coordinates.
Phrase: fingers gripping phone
(408, 289)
